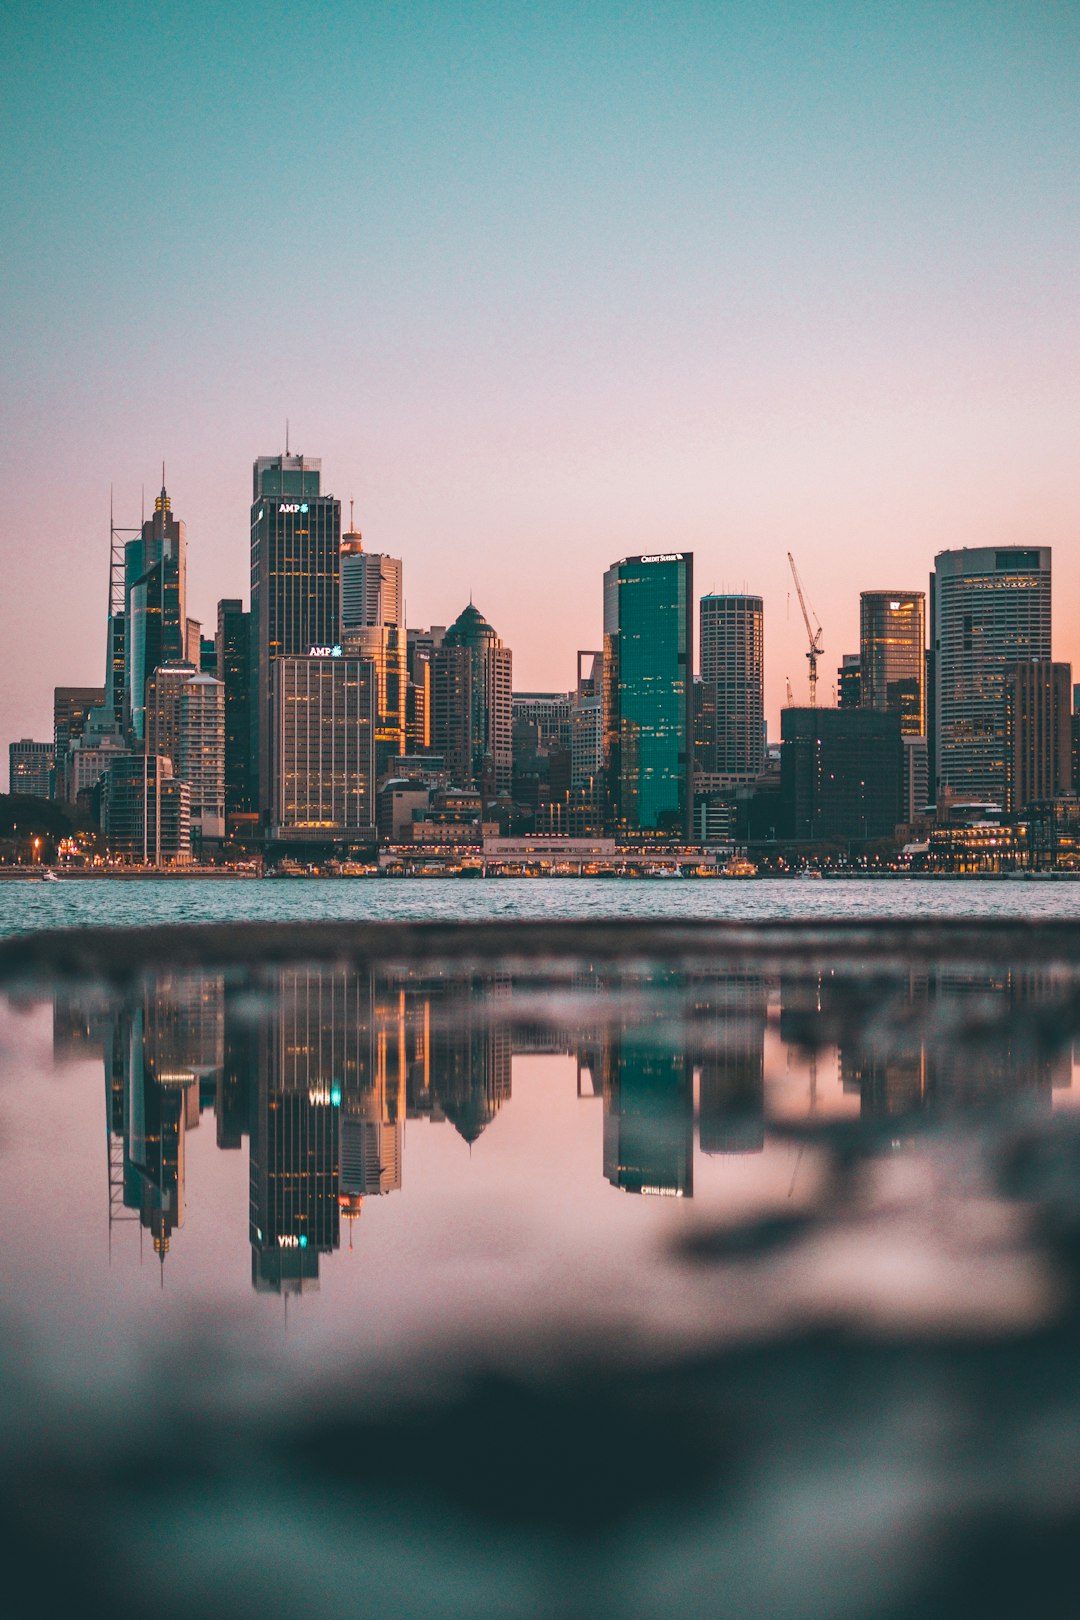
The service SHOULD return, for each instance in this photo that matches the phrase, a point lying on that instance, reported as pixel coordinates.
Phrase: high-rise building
(841, 773)
(90, 754)
(155, 605)
(71, 705)
(1038, 733)
(989, 609)
(146, 811)
(30, 768)
(295, 579)
(733, 664)
(892, 655)
(471, 702)
(371, 591)
(648, 668)
(185, 722)
(233, 670)
(372, 628)
(322, 712)
(849, 682)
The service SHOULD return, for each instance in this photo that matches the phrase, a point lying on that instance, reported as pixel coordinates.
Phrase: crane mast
(813, 631)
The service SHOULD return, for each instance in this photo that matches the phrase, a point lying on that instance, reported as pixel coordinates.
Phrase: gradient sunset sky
(543, 285)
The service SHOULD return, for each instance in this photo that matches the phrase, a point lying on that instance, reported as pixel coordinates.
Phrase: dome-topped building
(471, 687)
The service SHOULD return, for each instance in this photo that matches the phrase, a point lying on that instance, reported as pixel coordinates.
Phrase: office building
(371, 592)
(471, 703)
(71, 705)
(647, 720)
(1038, 734)
(648, 1115)
(840, 774)
(233, 670)
(295, 595)
(146, 811)
(155, 606)
(892, 656)
(849, 682)
(322, 714)
(99, 743)
(733, 668)
(185, 722)
(989, 610)
(30, 768)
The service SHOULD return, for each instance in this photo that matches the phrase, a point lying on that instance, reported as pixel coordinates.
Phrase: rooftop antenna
(286, 435)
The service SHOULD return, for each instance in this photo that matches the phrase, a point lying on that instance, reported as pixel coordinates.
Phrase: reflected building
(471, 1051)
(731, 1065)
(648, 1091)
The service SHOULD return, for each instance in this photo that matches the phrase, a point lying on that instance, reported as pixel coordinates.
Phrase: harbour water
(30, 904)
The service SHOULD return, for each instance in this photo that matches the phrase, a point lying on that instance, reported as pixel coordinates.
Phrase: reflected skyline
(318, 1070)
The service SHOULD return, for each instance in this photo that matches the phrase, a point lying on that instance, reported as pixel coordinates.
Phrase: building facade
(71, 705)
(322, 710)
(989, 610)
(841, 774)
(733, 667)
(1038, 733)
(892, 656)
(146, 811)
(647, 719)
(295, 589)
(371, 591)
(233, 669)
(30, 768)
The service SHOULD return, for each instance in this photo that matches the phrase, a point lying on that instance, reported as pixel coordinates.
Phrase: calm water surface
(32, 904)
(588, 1290)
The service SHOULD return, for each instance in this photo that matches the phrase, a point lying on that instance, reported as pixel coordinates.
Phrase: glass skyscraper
(648, 667)
(892, 656)
(295, 584)
(155, 606)
(989, 610)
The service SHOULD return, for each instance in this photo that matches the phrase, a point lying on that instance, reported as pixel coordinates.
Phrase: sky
(544, 285)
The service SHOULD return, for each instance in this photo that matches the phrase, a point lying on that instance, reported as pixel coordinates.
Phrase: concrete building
(471, 703)
(1038, 733)
(92, 752)
(30, 768)
(71, 705)
(371, 591)
(733, 668)
(989, 610)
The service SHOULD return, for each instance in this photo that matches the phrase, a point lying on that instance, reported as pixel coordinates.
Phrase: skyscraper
(471, 701)
(372, 628)
(892, 656)
(233, 670)
(370, 586)
(1038, 733)
(648, 665)
(989, 609)
(295, 584)
(155, 605)
(733, 664)
(322, 712)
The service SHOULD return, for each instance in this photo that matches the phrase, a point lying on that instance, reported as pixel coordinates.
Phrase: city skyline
(591, 287)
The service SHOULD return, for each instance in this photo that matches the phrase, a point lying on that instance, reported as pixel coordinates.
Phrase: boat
(49, 876)
(739, 866)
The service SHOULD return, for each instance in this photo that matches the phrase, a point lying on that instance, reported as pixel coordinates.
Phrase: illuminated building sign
(288, 1240)
(663, 556)
(324, 652)
(293, 506)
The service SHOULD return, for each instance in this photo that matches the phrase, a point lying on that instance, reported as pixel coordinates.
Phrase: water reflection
(320, 1068)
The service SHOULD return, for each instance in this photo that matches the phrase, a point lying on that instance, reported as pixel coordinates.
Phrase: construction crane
(813, 632)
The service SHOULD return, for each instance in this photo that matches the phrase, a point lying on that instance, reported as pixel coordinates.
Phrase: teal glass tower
(648, 689)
